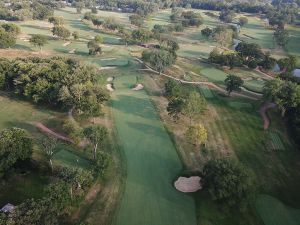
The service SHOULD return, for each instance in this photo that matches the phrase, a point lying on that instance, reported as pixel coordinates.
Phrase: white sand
(110, 79)
(188, 184)
(138, 87)
(66, 44)
(107, 67)
(109, 87)
(107, 59)
(72, 51)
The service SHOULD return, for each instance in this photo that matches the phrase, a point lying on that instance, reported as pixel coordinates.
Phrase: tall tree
(49, 146)
(97, 135)
(281, 37)
(233, 83)
(194, 105)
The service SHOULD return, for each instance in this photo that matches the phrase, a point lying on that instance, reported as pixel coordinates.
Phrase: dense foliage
(59, 82)
(228, 182)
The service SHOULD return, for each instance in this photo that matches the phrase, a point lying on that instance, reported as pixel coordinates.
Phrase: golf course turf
(151, 163)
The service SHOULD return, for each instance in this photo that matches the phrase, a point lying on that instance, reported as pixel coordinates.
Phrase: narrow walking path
(50, 132)
(263, 112)
(151, 160)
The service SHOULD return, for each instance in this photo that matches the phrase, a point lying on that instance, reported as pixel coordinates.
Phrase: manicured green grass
(20, 187)
(274, 212)
(206, 92)
(214, 75)
(276, 141)
(293, 47)
(254, 85)
(152, 162)
(19, 113)
(69, 158)
(240, 105)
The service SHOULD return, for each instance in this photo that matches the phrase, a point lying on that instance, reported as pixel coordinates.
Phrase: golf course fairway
(151, 163)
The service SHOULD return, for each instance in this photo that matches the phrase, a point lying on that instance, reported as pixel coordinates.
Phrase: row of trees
(22, 10)
(59, 82)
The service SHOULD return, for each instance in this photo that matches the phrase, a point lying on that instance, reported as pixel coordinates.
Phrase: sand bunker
(188, 184)
(72, 51)
(107, 59)
(66, 44)
(107, 67)
(138, 87)
(110, 79)
(109, 87)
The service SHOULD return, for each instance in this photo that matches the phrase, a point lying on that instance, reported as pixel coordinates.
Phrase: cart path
(263, 113)
(152, 163)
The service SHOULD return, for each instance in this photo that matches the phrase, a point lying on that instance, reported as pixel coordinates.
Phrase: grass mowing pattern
(274, 212)
(206, 92)
(276, 141)
(240, 105)
(152, 163)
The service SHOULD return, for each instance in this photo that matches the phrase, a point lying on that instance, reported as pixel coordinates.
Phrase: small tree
(94, 10)
(281, 37)
(197, 134)
(98, 39)
(175, 107)
(38, 40)
(94, 48)
(102, 163)
(206, 32)
(228, 182)
(75, 35)
(61, 32)
(56, 21)
(97, 135)
(194, 105)
(233, 83)
(49, 147)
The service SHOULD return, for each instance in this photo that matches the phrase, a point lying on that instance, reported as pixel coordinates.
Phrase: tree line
(57, 82)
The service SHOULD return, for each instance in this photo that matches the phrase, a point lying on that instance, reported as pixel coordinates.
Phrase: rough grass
(274, 212)
(206, 92)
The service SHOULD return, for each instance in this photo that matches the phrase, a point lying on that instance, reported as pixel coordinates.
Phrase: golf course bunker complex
(188, 184)
(149, 197)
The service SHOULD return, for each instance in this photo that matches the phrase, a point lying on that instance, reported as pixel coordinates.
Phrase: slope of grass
(274, 212)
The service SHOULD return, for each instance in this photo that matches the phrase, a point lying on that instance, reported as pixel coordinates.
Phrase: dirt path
(210, 84)
(46, 130)
(263, 112)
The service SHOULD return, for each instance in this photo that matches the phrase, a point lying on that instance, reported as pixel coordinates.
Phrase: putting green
(152, 163)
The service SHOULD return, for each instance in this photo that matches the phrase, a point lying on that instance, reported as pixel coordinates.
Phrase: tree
(227, 15)
(15, 144)
(194, 105)
(7, 39)
(233, 83)
(56, 21)
(11, 28)
(159, 59)
(222, 35)
(38, 40)
(94, 10)
(281, 37)
(243, 21)
(141, 35)
(175, 107)
(136, 20)
(173, 89)
(79, 7)
(249, 51)
(97, 135)
(288, 64)
(97, 22)
(228, 182)
(94, 48)
(285, 94)
(197, 134)
(75, 35)
(98, 39)
(102, 163)
(61, 32)
(49, 146)
(206, 32)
